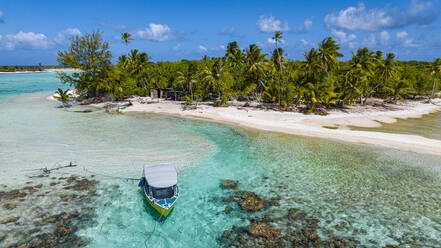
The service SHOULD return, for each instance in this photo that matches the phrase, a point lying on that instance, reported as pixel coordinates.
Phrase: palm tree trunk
(372, 91)
(433, 89)
(191, 92)
(280, 71)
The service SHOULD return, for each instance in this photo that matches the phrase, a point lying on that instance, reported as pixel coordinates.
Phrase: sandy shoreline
(43, 71)
(313, 125)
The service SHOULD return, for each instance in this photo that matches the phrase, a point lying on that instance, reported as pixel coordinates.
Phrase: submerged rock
(80, 185)
(46, 227)
(229, 184)
(9, 220)
(9, 206)
(30, 189)
(11, 195)
(260, 229)
(228, 210)
(292, 213)
(249, 201)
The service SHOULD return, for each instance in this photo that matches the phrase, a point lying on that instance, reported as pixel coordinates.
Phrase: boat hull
(162, 211)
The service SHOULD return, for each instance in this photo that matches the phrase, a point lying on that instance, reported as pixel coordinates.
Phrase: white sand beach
(314, 125)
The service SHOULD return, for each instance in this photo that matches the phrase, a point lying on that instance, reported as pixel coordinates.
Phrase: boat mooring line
(109, 176)
(153, 231)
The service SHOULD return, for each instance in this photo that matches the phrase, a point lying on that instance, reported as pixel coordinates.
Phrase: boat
(160, 186)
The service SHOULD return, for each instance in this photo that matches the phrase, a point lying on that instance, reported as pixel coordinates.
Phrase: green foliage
(435, 72)
(63, 96)
(187, 99)
(217, 104)
(89, 53)
(321, 80)
(126, 38)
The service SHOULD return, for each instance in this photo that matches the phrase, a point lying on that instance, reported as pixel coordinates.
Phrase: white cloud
(1, 17)
(402, 35)
(360, 19)
(202, 48)
(342, 36)
(228, 32)
(307, 24)
(384, 37)
(405, 40)
(409, 43)
(272, 41)
(177, 48)
(370, 41)
(271, 24)
(63, 37)
(28, 40)
(304, 42)
(157, 32)
(72, 31)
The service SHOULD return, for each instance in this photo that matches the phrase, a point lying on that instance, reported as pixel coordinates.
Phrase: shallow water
(377, 196)
(428, 126)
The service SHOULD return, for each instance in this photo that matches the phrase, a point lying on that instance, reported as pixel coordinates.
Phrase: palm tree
(328, 51)
(277, 37)
(362, 67)
(138, 61)
(435, 71)
(187, 79)
(126, 37)
(312, 64)
(63, 96)
(255, 65)
(233, 53)
(212, 74)
(386, 70)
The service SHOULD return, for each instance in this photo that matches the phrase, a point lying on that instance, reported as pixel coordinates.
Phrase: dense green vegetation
(39, 67)
(320, 80)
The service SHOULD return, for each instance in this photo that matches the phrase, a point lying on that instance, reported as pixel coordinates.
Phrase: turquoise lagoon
(428, 127)
(376, 196)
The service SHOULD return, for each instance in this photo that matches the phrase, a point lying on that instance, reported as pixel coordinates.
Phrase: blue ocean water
(375, 196)
(12, 84)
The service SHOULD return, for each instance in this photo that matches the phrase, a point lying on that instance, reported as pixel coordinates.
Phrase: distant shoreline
(333, 126)
(43, 71)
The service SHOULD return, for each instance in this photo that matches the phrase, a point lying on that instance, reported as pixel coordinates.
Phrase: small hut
(167, 93)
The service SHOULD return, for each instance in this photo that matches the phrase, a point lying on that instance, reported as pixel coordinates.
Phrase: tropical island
(220, 124)
(320, 97)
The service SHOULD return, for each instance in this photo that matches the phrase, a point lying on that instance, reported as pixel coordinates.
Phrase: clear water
(13, 84)
(429, 126)
(378, 196)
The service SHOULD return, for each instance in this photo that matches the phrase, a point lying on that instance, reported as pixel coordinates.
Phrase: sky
(33, 31)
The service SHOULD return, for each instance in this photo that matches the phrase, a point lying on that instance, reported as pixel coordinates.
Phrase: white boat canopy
(161, 176)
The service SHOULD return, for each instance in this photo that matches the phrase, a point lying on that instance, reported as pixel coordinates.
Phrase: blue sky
(33, 31)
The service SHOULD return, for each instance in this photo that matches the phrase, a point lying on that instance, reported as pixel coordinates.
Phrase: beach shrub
(217, 103)
(187, 100)
(91, 54)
